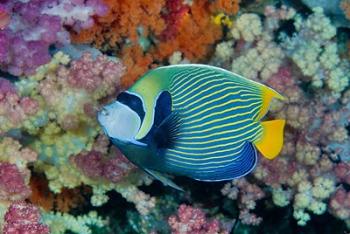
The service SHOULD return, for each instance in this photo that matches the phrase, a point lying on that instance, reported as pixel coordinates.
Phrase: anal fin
(242, 165)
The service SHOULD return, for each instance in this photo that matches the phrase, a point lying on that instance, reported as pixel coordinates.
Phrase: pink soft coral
(339, 204)
(96, 165)
(191, 220)
(14, 109)
(247, 195)
(23, 218)
(92, 74)
(12, 184)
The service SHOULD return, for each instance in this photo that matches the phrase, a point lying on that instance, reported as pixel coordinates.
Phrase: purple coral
(25, 41)
(37, 24)
(191, 220)
(76, 13)
(6, 86)
(23, 217)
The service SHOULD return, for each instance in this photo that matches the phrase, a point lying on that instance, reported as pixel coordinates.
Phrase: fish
(4, 17)
(194, 120)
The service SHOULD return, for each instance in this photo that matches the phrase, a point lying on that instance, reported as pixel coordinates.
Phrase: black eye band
(132, 101)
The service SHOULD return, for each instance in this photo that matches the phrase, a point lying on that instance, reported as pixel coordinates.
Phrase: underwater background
(62, 60)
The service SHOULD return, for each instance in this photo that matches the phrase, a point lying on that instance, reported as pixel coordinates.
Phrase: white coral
(248, 26)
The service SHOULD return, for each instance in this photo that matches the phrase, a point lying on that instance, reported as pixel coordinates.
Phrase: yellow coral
(323, 187)
(61, 223)
(57, 60)
(223, 19)
(281, 197)
(318, 207)
(302, 201)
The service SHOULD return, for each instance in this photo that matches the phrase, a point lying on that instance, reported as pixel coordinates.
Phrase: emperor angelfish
(194, 120)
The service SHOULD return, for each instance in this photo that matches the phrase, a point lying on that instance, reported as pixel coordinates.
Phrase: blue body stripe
(198, 156)
(230, 169)
(217, 111)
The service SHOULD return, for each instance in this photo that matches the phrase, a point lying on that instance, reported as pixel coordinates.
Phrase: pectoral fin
(166, 181)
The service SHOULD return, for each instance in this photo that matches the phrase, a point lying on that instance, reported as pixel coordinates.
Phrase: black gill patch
(132, 101)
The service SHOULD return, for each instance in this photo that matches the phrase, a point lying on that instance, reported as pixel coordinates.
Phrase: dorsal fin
(267, 94)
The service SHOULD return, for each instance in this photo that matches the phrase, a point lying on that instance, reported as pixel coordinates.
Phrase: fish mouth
(101, 124)
(103, 111)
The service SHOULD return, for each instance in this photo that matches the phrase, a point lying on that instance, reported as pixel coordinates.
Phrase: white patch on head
(119, 121)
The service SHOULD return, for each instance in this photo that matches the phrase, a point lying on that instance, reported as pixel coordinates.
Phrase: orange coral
(122, 21)
(229, 7)
(119, 32)
(136, 61)
(69, 199)
(195, 36)
(63, 202)
(41, 195)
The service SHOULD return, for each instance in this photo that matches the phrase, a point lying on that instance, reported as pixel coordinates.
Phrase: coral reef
(61, 60)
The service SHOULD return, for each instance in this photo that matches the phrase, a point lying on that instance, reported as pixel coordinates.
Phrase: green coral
(60, 223)
(55, 145)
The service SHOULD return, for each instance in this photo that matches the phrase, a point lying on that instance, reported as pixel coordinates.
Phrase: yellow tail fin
(271, 142)
(267, 95)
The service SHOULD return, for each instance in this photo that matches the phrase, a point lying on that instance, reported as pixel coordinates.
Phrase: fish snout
(103, 112)
(103, 116)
